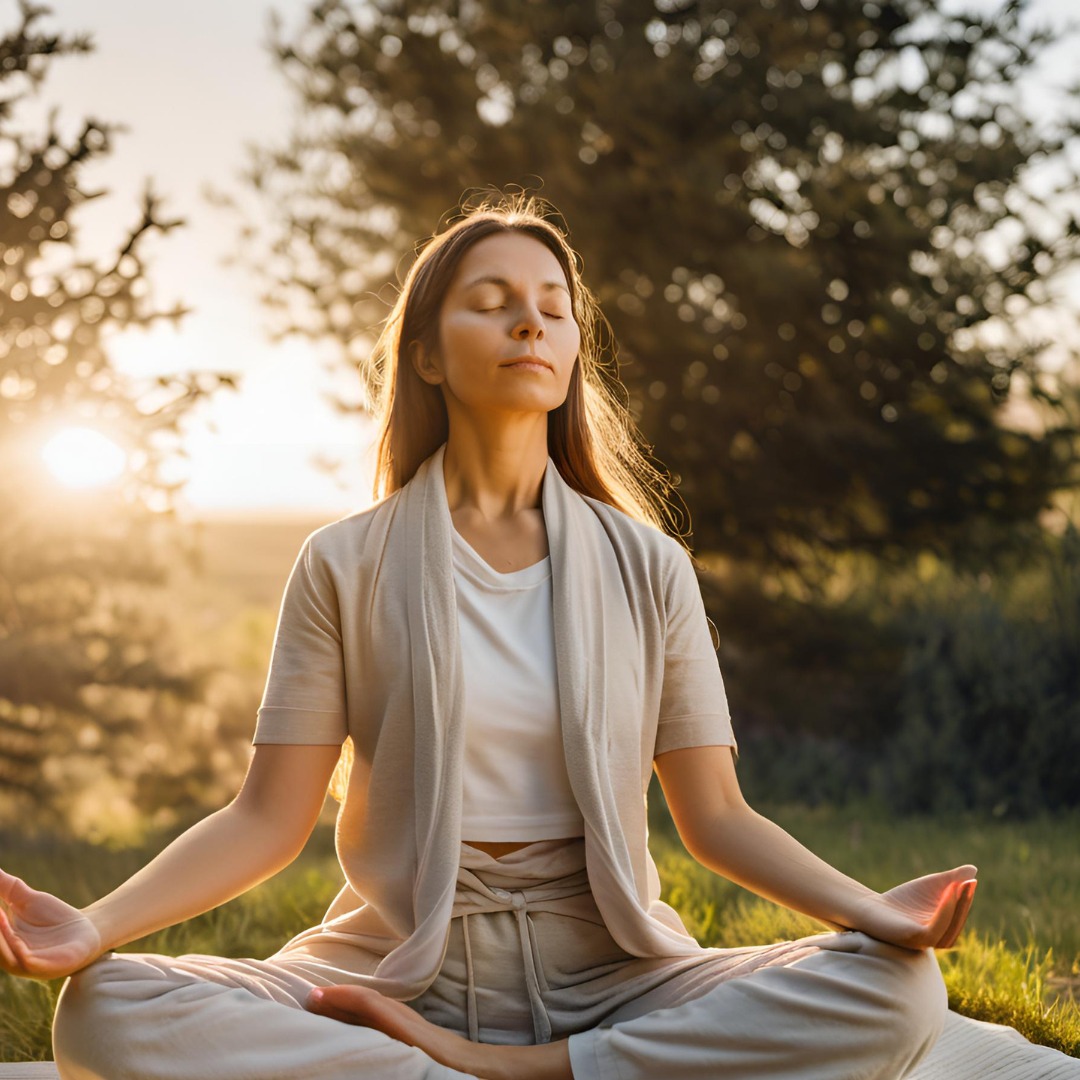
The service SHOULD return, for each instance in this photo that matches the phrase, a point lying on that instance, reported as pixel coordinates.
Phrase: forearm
(215, 860)
(756, 853)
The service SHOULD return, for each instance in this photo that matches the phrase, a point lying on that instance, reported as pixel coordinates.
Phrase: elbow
(709, 837)
(280, 838)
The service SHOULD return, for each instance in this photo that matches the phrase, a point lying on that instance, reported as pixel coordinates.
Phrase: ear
(424, 364)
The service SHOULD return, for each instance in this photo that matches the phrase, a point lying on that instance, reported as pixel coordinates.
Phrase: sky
(194, 84)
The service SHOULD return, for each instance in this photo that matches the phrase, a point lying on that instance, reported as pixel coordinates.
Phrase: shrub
(990, 709)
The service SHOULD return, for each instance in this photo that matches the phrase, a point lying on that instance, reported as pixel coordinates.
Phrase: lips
(527, 359)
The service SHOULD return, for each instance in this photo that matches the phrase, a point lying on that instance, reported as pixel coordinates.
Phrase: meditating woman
(505, 645)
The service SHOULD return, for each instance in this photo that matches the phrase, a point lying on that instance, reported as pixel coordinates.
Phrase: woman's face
(508, 299)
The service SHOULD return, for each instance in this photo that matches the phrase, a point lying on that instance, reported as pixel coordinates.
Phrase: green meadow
(1018, 962)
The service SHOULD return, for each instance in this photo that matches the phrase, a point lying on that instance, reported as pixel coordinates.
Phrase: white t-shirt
(515, 782)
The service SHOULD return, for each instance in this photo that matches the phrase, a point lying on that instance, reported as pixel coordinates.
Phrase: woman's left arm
(723, 833)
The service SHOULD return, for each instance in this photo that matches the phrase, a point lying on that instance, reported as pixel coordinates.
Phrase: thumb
(341, 1002)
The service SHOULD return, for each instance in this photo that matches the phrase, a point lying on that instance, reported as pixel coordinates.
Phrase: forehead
(509, 258)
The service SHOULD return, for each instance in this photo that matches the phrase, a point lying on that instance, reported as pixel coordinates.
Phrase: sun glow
(82, 457)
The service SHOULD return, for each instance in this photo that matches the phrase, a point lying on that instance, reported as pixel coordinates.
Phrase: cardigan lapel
(579, 612)
(593, 624)
(594, 592)
(438, 716)
(582, 565)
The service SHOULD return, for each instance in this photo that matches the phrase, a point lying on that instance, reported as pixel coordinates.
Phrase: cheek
(571, 340)
(463, 331)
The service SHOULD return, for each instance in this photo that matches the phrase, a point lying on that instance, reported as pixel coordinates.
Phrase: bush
(926, 693)
(990, 709)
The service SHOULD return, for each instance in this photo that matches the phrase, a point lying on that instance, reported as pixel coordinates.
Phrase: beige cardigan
(367, 645)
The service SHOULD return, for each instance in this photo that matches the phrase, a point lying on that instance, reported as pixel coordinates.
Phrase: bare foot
(369, 1008)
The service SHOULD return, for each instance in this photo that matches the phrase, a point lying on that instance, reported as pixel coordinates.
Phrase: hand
(42, 937)
(928, 912)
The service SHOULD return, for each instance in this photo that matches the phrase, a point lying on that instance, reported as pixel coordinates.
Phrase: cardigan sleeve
(693, 702)
(304, 697)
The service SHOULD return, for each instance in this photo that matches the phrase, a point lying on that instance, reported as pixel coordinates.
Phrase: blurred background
(836, 243)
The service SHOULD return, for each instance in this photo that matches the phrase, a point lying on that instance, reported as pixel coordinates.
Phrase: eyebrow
(494, 280)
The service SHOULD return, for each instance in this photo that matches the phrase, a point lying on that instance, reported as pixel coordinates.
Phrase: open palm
(927, 912)
(41, 936)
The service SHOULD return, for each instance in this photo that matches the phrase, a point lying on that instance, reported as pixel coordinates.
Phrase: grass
(1023, 936)
(1029, 873)
(1021, 941)
(988, 981)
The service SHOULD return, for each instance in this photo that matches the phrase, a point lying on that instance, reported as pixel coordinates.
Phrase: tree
(787, 236)
(83, 661)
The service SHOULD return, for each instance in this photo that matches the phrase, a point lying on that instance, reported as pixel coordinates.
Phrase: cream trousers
(528, 960)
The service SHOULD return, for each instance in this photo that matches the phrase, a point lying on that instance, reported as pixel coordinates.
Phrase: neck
(496, 477)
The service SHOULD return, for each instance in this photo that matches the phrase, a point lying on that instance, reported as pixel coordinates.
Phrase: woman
(512, 643)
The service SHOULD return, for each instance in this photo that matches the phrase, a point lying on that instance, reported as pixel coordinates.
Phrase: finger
(967, 898)
(335, 1006)
(936, 920)
(944, 909)
(345, 997)
(16, 945)
(332, 1013)
(963, 906)
(13, 890)
(7, 956)
(18, 949)
(952, 933)
(958, 874)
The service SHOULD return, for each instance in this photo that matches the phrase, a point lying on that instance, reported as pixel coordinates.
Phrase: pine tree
(787, 236)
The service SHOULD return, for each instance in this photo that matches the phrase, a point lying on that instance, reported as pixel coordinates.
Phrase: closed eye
(549, 314)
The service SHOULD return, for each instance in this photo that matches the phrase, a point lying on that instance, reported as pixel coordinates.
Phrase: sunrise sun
(82, 457)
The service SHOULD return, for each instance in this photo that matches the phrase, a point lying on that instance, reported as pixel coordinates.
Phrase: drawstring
(553, 879)
(541, 1023)
(541, 1020)
(470, 989)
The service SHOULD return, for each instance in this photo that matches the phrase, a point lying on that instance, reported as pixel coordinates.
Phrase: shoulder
(342, 542)
(648, 550)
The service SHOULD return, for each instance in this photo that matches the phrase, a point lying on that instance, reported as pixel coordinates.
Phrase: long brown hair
(593, 437)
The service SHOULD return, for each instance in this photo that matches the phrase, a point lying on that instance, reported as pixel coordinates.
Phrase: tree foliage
(816, 263)
(83, 662)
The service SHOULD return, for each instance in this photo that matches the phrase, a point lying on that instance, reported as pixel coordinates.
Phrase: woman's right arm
(259, 833)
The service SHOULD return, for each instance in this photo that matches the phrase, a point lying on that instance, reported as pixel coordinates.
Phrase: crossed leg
(852, 1008)
(147, 1016)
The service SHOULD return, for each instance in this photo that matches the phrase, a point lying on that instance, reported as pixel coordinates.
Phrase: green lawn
(1023, 939)
(1029, 872)
(1018, 962)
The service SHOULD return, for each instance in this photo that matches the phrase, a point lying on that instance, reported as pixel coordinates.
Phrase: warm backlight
(81, 457)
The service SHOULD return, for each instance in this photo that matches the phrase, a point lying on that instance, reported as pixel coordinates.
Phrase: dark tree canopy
(787, 237)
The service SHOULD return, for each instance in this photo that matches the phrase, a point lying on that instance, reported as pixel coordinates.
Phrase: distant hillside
(251, 556)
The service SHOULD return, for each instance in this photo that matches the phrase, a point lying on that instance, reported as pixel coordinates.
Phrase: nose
(530, 324)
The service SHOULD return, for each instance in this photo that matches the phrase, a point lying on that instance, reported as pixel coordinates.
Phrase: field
(1017, 962)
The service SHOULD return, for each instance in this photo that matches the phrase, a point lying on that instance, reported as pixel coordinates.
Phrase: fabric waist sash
(548, 875)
